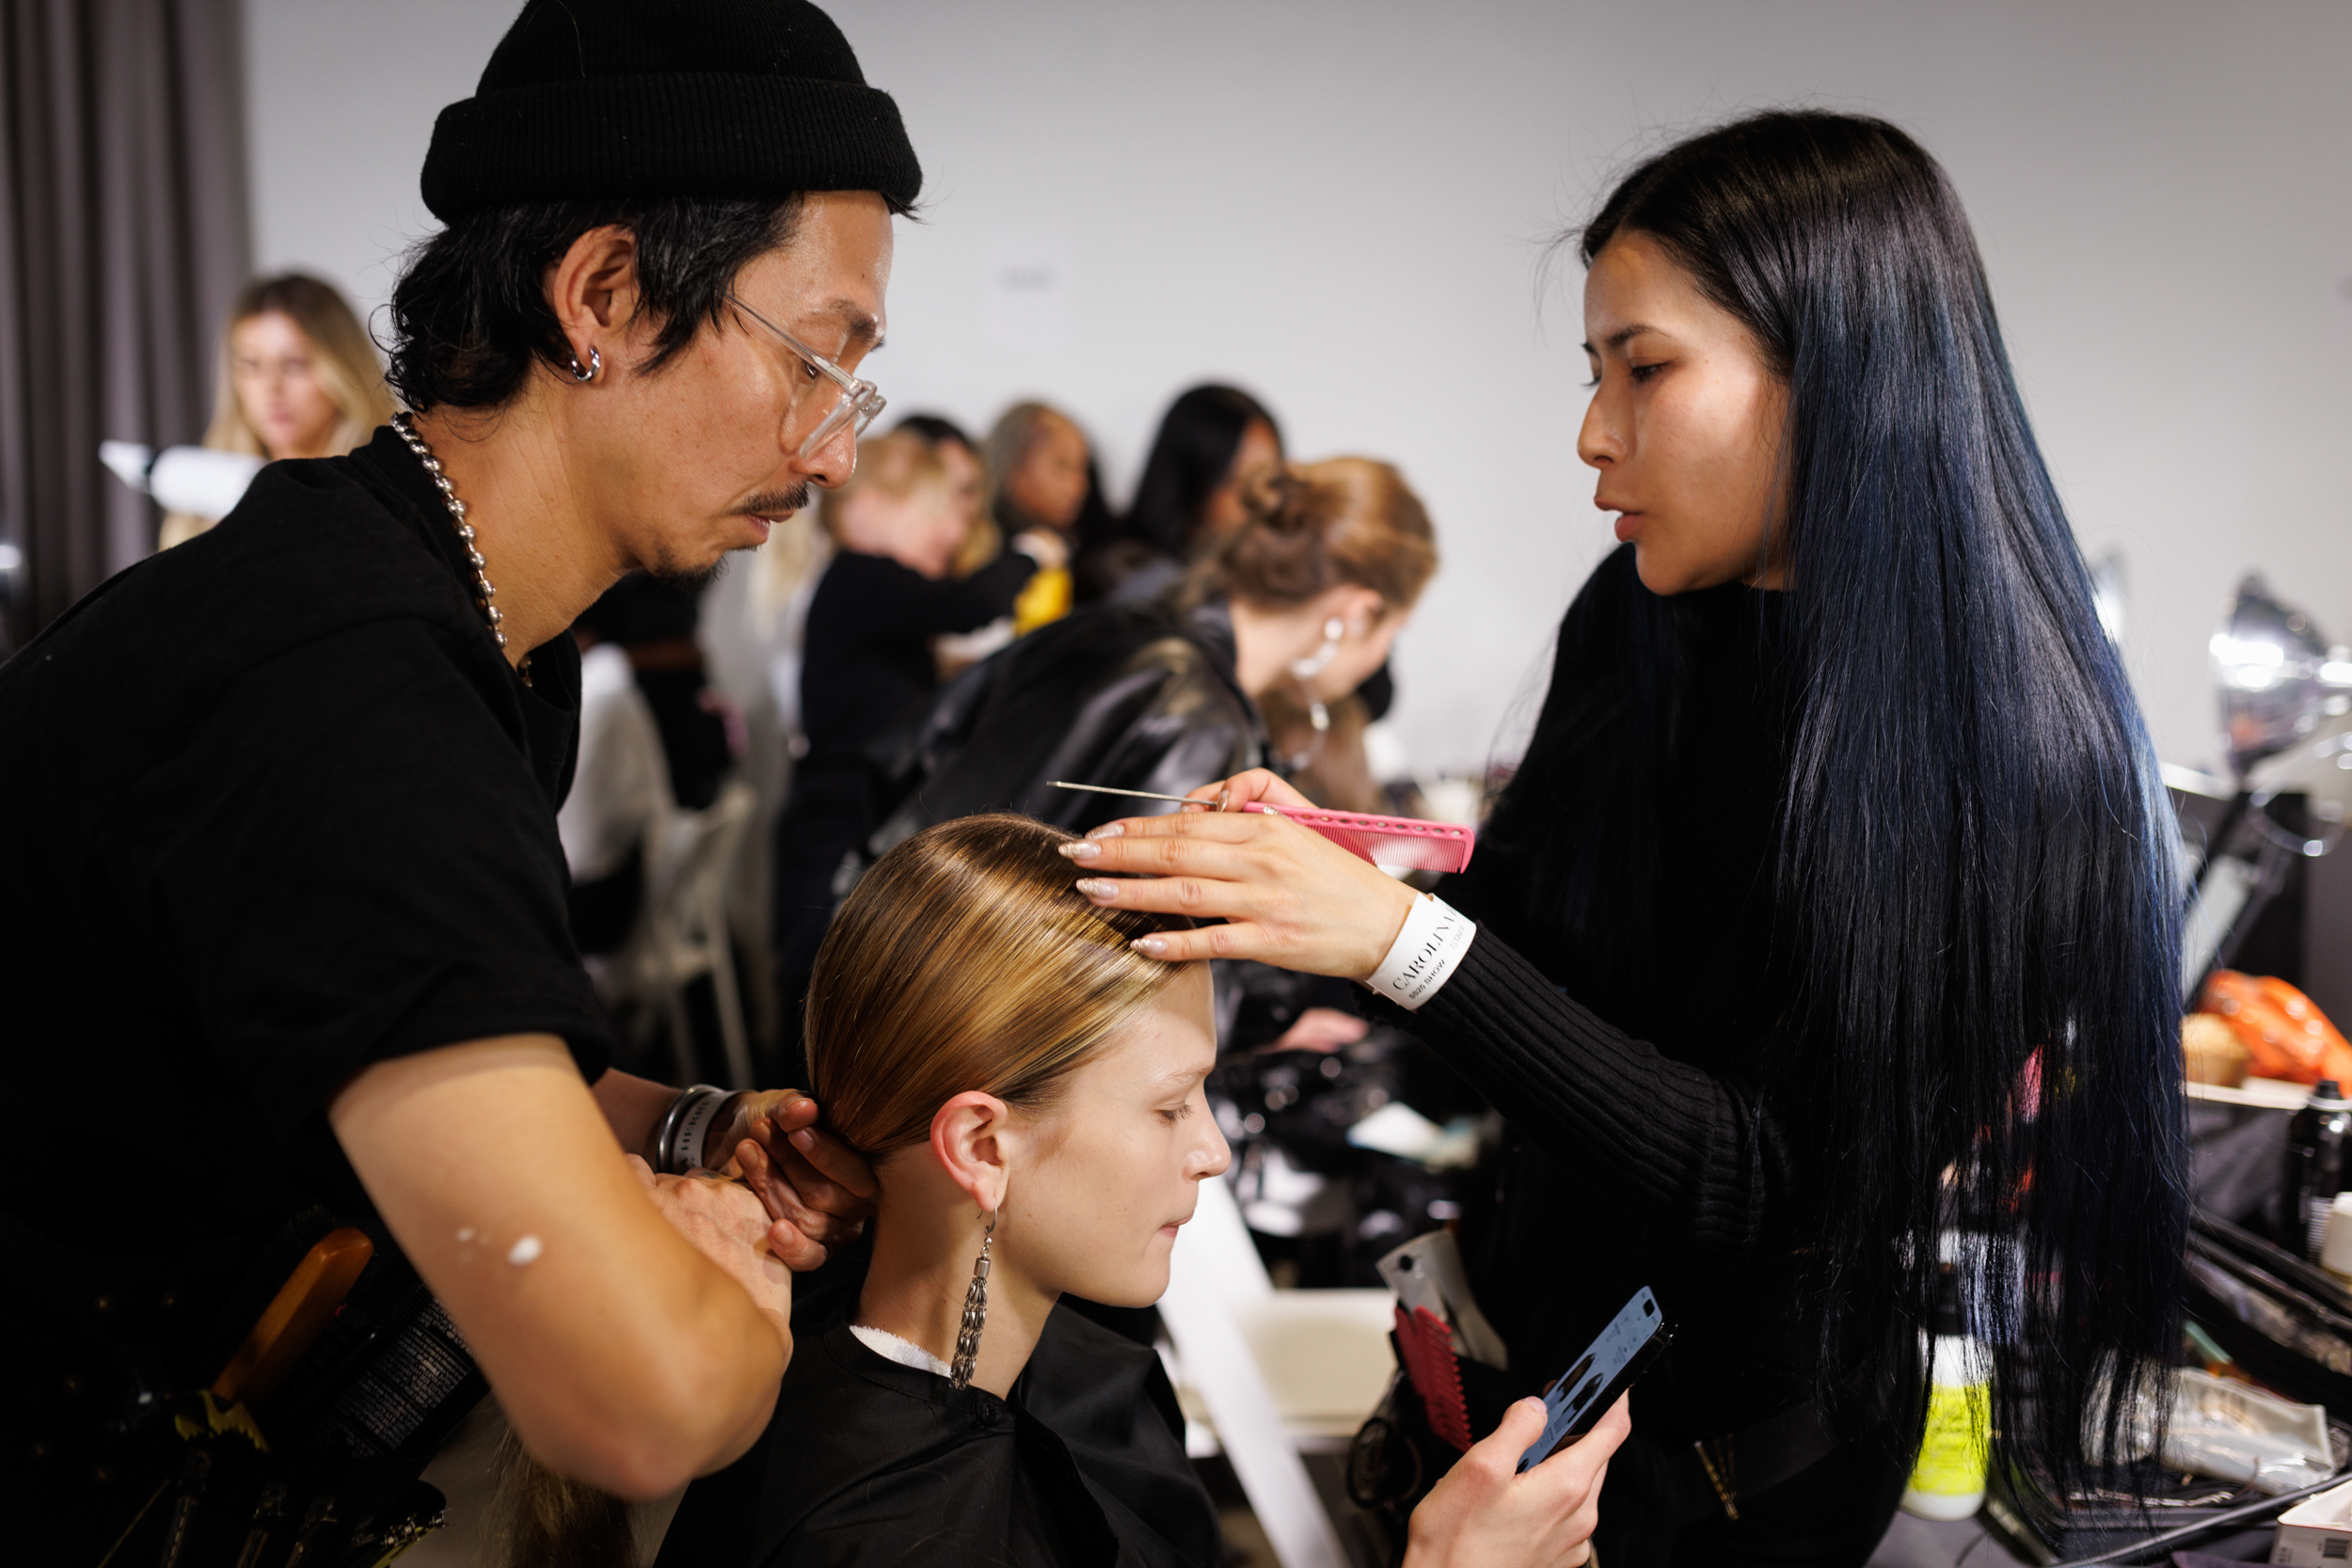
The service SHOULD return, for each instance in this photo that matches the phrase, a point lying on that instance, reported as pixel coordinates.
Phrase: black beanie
(597, 99)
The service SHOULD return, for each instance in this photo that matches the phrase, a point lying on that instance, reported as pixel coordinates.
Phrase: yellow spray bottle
(1947, 1483)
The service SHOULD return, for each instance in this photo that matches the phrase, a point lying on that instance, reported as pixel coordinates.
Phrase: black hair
(470, 311)
(1974, 882)
(935, 430)
(1190, 458)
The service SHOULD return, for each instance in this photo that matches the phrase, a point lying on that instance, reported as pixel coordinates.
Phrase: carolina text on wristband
(1435, 937)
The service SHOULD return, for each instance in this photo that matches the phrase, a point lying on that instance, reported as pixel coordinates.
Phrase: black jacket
(868, 1463)
(1132, 696)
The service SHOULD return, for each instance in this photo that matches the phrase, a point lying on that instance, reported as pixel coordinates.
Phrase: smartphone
(1607, 1367)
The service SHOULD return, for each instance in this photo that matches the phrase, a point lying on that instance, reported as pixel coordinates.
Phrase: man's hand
(726, 1224)
(1483, 1515)
(810, 1182)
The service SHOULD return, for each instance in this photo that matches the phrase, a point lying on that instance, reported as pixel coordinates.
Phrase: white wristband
(1435, 937)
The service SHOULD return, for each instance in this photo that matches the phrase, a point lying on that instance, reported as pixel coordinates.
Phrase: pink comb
(1405, 841)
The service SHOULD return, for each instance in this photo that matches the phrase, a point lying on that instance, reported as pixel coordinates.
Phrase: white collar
(891, 1348)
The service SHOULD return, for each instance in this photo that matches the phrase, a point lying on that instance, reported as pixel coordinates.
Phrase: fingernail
(804, 1139)
(1098, 887)
(1224, 799)
(1150, 947)
(1108, 829)
(1082, 850)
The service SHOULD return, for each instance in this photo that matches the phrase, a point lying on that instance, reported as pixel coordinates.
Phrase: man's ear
(968, 1138)
(593, 288)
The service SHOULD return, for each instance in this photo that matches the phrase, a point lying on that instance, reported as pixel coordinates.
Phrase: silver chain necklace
(483, 593)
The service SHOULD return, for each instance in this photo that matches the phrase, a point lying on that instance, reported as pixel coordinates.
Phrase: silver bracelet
(678, 1147)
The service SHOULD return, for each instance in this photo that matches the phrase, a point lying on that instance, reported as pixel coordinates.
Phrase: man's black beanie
(600, 98)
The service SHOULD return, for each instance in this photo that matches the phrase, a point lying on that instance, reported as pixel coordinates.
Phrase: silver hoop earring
(975, 1314)
(596, 363)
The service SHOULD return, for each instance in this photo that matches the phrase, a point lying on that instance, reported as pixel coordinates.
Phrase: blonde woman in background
(868, 672)
(754, 621)
(298, 378)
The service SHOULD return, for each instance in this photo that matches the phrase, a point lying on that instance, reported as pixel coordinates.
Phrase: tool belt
(304, 1448)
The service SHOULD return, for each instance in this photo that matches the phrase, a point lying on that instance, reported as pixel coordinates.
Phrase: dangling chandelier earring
(1305, 670)
(975, 1314)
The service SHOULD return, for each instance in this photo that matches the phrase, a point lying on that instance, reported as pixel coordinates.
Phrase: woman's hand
(729, 1226)
(1291, 896)
(806, 1179)
(1483, 1513)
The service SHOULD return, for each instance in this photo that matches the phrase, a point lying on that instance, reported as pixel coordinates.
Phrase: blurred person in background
(959, 651)
(1306, 596)
(655, 623)
(967, 477)
(620, 789)
(753, 636)
(298, 378)
(1211, 439)
(655, 735)
(1299, 603)
(868, 672)
(1041, 471)
(753, 621)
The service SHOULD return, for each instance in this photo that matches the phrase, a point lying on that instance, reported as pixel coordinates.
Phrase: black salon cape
(868, 1463)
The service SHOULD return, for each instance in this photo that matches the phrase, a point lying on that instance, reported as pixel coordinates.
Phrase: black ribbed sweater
(1632, 1065)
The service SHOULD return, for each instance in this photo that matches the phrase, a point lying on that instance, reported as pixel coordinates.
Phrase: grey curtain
(123, 236)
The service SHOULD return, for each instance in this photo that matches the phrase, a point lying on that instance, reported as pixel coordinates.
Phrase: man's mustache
(775, 503)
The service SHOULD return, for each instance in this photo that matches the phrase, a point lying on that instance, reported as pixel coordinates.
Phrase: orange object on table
(2286, 1036)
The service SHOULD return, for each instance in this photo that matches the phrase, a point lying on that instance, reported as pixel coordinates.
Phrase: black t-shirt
(273, 807)
(867, 668)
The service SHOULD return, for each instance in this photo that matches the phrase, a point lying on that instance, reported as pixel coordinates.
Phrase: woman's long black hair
(1190, 457)
(1974, 881)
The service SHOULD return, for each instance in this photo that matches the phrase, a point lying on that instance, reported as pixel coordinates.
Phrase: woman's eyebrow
(1623, 336)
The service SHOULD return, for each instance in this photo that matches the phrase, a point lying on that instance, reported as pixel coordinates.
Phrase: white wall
(1341, 206)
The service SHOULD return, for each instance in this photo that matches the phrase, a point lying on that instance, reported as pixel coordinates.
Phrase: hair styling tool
(1406, 843)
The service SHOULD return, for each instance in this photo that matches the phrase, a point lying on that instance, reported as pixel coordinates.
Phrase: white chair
(1279, 1371)
(682, 931)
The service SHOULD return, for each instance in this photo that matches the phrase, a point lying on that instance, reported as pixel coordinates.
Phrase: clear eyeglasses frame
(859, 401)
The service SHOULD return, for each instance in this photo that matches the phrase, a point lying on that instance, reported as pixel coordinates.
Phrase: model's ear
(1360, 608)
(968, 1140)
(592, 289)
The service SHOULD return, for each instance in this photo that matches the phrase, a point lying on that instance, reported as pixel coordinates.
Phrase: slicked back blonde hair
(966, 960)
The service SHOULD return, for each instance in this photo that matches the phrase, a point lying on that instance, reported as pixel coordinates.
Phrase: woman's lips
(1626, 526)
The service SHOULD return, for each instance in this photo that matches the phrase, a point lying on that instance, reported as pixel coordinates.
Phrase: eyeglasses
(859, 401)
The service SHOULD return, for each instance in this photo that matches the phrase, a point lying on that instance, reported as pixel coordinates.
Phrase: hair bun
(1310, 525)
(1271, 497)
